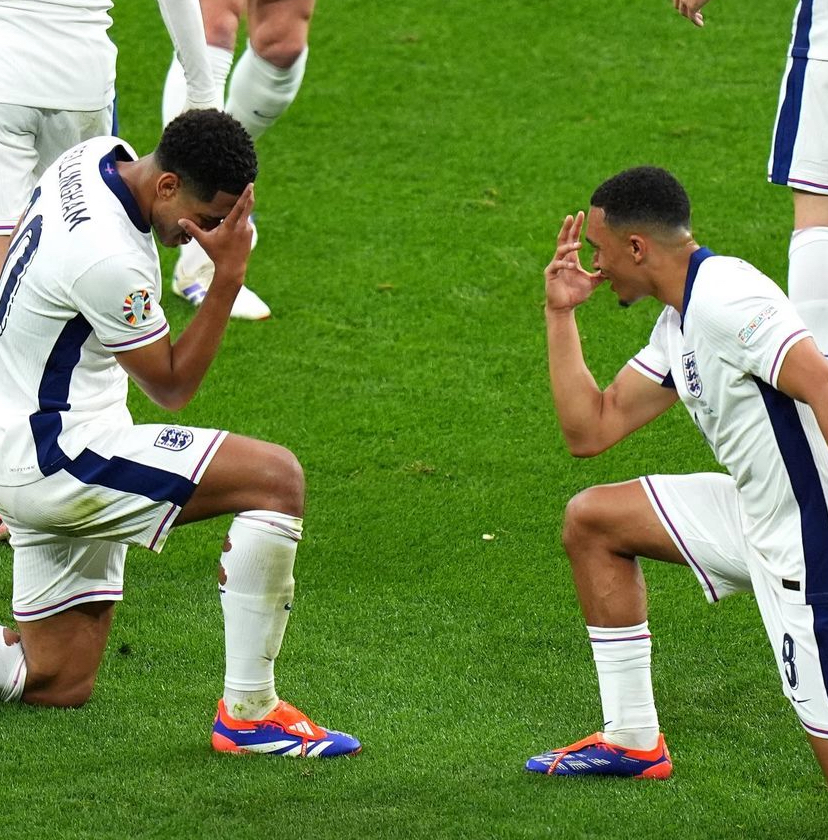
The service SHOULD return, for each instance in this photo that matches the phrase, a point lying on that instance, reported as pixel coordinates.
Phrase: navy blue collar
(696, 259)
(109, 172)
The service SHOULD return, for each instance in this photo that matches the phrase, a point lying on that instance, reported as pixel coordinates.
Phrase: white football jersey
(81, 283)
(809, 33)
(723, 357)
(56, 54)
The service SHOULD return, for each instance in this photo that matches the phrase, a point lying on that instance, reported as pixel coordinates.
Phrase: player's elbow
(176, 404)
(172, 400)
(584, 446)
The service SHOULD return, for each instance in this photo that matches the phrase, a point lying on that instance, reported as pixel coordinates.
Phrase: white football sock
(12, 670)
(256, 597)
(622, 659)
(175, 85)
(259, 91)
(808, 280)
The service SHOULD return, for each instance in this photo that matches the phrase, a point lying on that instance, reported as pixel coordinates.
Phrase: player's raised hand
(567, 283)
(227, 244)
(690, 10)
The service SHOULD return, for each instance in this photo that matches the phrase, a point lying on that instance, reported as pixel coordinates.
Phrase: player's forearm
(196, 348)
(578, 399)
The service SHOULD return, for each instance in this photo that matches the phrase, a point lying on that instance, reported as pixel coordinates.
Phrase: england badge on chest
(691, 374)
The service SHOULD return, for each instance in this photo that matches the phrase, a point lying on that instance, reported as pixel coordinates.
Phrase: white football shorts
(702, 514)
(799, 148)
(31, 140)
(70, 529)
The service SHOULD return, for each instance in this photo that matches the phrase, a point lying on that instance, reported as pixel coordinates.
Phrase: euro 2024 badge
(137, 306)
(691, 374)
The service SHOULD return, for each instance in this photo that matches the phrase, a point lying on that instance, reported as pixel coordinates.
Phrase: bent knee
(584, 519)
(281, 53)
(221, 23)
(57, 690)
(285, 481)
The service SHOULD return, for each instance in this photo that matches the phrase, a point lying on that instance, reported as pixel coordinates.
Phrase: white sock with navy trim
(622, 659)
(256, 588)
(12, 670)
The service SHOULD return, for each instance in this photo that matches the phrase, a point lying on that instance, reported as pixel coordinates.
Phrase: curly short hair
(643, 195)
(210, 151)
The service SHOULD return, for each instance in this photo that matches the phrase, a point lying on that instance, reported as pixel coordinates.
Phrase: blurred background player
(57, 87)
(264, 82)
(799, 156)
(79, 481)
(57, 84)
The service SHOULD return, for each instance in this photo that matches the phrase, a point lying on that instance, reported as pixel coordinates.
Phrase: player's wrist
(556, 312)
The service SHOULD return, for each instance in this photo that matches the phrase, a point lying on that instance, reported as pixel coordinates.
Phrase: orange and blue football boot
(285, 731)
(593, 756)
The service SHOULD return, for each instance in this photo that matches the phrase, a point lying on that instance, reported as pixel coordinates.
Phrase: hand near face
(690, 10)
(227, 244)
(567, 283)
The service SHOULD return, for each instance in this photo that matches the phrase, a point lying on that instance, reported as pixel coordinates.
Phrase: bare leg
(64, 652)
(221, 22)
(820, 748)
(247, 474)
(605, 529)
(279, 29)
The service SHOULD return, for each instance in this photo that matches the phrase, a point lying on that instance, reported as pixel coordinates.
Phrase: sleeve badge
(137, 306)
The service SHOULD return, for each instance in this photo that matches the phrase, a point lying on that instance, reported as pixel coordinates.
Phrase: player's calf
(63, 653)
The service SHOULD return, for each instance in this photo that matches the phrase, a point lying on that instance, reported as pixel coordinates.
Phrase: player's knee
(285, 480)
(581, 520)
(221, 28)
(57, 690)
(280, 51)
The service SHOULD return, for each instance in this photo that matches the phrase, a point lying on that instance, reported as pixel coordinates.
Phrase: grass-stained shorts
(70, 529)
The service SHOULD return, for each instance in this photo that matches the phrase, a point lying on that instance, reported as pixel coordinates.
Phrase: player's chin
(625, 301)
(173, 240)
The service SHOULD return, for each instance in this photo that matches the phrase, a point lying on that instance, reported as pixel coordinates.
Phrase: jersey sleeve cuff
(138, 340)
(784, 347)
(637, 364)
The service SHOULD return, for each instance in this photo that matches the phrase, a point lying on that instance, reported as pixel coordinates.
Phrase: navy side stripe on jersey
(89, 467)
(807, 488)
(53, 393)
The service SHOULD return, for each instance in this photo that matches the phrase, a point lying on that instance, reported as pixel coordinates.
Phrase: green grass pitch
(406, 209)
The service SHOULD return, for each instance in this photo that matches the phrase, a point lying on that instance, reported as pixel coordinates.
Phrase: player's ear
(638, 247)
(167, 185)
